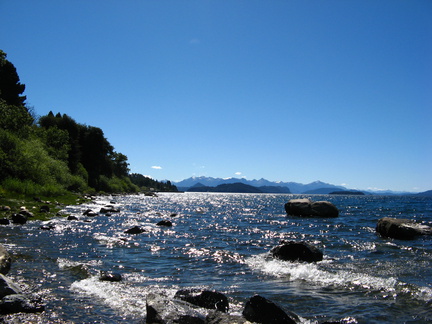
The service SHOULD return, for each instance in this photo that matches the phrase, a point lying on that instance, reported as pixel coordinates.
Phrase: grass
(32, 204)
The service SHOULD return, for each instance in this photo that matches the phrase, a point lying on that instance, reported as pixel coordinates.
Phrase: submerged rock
(261, 310)
(297, 251)
(110, 276)
(403, 229)
(204, 298)
(308, 208)
(165, 223)
(135, 230)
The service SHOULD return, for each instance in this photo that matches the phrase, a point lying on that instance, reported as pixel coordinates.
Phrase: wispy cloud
(238, 173)
(156, 167)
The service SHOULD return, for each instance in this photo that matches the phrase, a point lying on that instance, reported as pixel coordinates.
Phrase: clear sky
(337, 90)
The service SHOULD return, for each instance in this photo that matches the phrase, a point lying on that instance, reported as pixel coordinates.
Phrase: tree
(10, 86)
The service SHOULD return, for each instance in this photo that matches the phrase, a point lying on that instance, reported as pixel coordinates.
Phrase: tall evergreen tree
(10, 86)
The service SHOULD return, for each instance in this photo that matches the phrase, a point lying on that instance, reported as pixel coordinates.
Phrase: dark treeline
(54, 154)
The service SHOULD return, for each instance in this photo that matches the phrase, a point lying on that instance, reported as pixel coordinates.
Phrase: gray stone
(17, 303)
(403, 229)
(204, 298)
(297, 251)
(7, 287)
(5, 260)
(163, 310)
(261, 310)
(308, 208)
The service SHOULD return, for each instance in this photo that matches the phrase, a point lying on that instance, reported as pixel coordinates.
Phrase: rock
(17, 303)
(44, 209)
(165, 223)
(110, 276)
(204, 298)
(19, 219)
(47, 227)
(90, 213)
(4, 221)
(25, 212)
(109, 209)
(5, 208)
(216, 317)
(403, 229)
(297, 251)
(174, 215)
(7, 287)
(71, 217)
(308, 208)
(135, 230)
(261, 310)
(161, 310)
(5, 260)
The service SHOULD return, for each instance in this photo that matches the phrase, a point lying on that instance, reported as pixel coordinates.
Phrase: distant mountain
(227, 187)
(294, 187)
(425, 194)
(347, 192)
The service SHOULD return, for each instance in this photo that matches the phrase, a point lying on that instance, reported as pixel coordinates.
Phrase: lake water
(222, 242)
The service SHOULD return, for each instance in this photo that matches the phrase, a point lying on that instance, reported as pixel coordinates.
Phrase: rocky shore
(200, 305)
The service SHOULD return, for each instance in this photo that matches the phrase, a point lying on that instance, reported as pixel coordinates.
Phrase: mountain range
(316, 187)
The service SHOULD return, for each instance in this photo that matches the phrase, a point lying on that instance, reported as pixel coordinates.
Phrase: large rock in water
(297, 251)
(163, 310)
(308, 208)
(7, 287)
(204, 298)
(403, 229)
(17, 303)
(261, 310)
(5, 260)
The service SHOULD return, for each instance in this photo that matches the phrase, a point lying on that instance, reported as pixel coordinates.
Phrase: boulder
(261, 310)
(7, 287)
(4, 221)
(135, 230)
(109, 209)
(216, 317)
(308, 208)
(19, 219)
(26, 213)
(44, 209)
(110, 276)
(204, 298)
(165, 223)
(90, 213)
(71, 217)
(161, 309)
(5, 260)
(17, 303)
(403, 229)
(296, 251)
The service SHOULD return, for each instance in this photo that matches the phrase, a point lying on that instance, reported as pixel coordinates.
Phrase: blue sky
(337, 91)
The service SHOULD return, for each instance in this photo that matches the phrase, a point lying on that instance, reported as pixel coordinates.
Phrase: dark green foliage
(148, 184)
(57, 154)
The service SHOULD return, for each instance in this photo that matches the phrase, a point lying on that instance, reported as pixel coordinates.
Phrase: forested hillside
(54, 154)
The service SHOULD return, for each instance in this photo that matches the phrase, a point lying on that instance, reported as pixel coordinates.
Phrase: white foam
(311, 273)
(127, 299)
